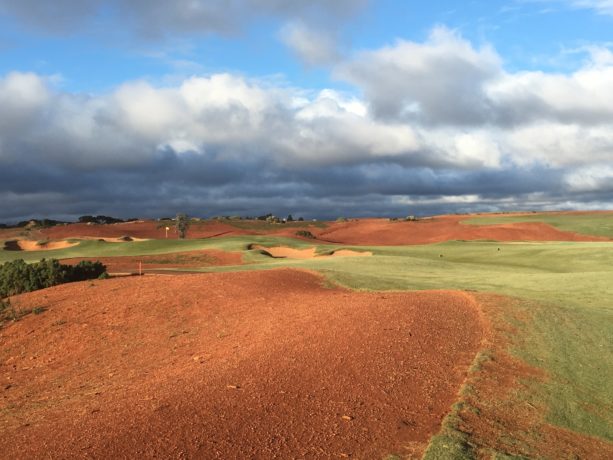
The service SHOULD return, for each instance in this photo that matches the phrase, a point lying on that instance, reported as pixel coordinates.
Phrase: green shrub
(305, 234)
(17, 276)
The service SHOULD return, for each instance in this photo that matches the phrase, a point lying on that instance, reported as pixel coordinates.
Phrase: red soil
(142, 229)
(187, 259)
(238, 365)
(355, 232)
(382, 232)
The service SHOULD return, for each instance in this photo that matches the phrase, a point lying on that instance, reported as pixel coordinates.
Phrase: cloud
(314, 47)
(604, 7)
(447, 81)
(593, 178)
(155, 19)
(55, 17)
(437, 126)
(440, 81)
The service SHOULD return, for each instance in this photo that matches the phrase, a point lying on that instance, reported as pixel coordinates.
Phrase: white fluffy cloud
(464, 101)
(440, 81)
(223, 113)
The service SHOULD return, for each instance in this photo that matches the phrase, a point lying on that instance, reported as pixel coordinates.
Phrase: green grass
(567, 287)
(588, 224)
(95, 248)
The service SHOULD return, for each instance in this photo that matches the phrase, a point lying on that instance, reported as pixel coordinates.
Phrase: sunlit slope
(596, 224)
(570, 285)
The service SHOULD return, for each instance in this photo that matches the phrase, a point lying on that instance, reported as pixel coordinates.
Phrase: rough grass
(587, 224)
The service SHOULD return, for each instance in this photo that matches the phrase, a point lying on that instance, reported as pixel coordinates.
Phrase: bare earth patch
(142, 229)
(264, 364)
(382, 232)
(185, 259)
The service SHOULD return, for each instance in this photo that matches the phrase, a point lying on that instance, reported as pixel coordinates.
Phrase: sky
(320, 109)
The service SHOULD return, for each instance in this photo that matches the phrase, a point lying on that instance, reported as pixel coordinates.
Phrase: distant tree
(182, 224)
(290, 218)
(99, 220)
(87, 219)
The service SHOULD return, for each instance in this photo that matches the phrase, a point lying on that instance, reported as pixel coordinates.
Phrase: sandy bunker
(266, 364)
(27, 245)
(284, 252)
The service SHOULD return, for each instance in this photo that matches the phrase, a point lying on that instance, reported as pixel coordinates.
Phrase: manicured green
(586, 224)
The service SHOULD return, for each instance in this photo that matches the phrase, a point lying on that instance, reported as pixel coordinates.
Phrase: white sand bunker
(283, 252)
(28, 245)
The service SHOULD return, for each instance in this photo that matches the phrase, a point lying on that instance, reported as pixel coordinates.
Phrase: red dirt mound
(382, 232)
(237, 365)
(186, 259)
(142, 229)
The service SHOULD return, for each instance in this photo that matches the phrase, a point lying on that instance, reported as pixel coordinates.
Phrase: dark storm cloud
(56, 16)
(158, 18)
(170, 183)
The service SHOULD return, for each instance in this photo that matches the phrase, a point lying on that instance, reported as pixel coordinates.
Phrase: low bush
(305, 234)
(8, 312)
(17, 276)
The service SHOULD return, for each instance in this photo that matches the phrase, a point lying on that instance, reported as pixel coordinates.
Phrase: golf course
(491, 343)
